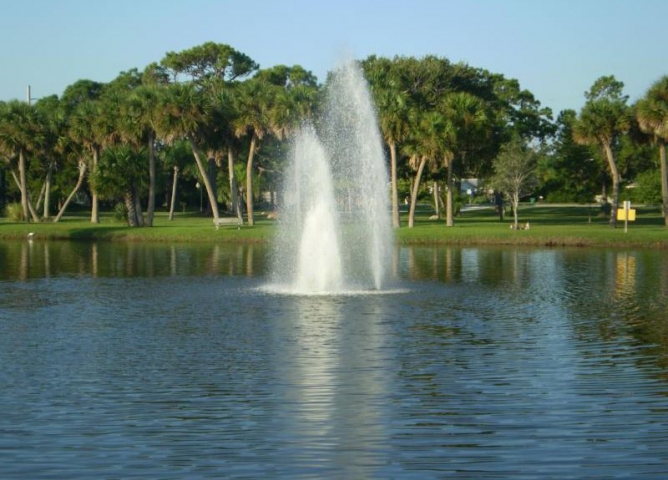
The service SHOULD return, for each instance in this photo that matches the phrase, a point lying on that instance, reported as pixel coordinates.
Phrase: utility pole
(29, 97)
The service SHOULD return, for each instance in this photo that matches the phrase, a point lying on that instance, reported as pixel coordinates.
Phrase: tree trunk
(414, 193)
(664, 181)
(205, 178)
(129, 201)
(2, 187)
(212, 172)
(82, 172)
(150, 208)
(234, 189)
(138, 209)
(47, 192)
(23, 186)
(31, 209)
(94, 202)
(616, 180)
(172, 203)
(449, 204)
(249, 180)
(516, 205)
(396, 222)
(38, 204)
(437, 204)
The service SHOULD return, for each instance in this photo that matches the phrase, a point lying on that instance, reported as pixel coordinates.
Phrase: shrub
(14, 212)
(120, 212)
(647, 188)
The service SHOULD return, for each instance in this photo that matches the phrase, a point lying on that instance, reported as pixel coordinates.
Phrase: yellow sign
(621, 214)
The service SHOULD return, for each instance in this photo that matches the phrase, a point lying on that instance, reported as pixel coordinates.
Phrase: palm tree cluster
(448, 119)
(211, 100)
(211, 114)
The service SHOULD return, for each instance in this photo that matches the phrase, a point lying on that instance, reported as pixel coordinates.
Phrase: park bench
(226, 221)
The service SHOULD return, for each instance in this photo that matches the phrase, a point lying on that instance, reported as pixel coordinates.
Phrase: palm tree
(603, 118)
(142, 109)
(82, 166)
(21, 134)
(223, 116)
(253, 105)
(466, 114)
(652, 115)
(184, 111)
(423, 148)
(117, 175)
(88, 125)
(176, 157)
(84, 131)
(51, 152)
(392, 103)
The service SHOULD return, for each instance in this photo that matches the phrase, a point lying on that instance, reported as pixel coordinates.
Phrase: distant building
(469, 186)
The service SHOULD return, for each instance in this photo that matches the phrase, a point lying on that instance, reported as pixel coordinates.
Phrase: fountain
(335, 233)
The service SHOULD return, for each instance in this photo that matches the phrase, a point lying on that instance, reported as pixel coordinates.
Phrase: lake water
(171, 362)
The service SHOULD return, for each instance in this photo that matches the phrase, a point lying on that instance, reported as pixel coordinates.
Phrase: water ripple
(215, 377)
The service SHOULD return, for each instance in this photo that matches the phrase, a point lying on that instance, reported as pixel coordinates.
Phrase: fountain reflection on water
(335, 232)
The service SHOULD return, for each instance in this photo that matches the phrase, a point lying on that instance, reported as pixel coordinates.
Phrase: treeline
(208, 123)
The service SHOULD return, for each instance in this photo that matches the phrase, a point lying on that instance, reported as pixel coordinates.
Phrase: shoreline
(551, 226)
(409, 238)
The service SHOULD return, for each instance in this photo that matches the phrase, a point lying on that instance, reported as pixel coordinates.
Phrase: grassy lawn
(563, 225)
(554, 225)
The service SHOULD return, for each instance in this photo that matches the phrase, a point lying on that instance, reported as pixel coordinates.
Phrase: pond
(176, 361)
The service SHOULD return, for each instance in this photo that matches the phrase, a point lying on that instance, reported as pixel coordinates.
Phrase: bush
(647, 188)
(120, 212)
(14, 212)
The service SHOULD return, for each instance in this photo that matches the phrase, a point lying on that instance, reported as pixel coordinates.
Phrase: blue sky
(555, 48)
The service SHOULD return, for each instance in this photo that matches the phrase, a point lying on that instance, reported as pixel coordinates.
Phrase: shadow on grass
(558, 215)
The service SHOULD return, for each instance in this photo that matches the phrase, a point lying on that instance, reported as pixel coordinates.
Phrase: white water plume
(335, 233)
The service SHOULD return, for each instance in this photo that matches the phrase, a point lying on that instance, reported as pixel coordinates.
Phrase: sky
(556, 49)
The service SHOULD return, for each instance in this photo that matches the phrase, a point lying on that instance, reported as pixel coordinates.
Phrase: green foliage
(210, 64)
(120, 213)
(218, 98)
(647, 188)
(515, 170)
(570, 172)
(119, 171)
(14, 212)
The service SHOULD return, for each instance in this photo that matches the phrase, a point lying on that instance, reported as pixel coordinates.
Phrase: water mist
(335, 233)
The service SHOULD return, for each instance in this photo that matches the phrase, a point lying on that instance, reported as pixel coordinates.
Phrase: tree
(515, 172)
(423, 147)
(213, 69)
(572, 172)
(176, 157)
(20, 135)
(468, 126)
(54, 131)
(83, 132)
(184, 113)
(118, 175)
(88, 126)
(142, 109)
(254, 103)
(224, 113)
(392, 102)
(652, 115)
(210, 65)
(603, 118)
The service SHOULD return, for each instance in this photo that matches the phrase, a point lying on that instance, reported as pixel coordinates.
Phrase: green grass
(568, 225)
(186, 227)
